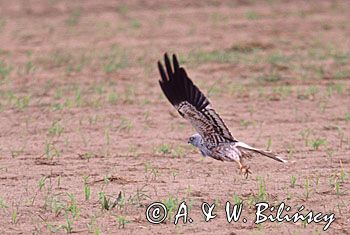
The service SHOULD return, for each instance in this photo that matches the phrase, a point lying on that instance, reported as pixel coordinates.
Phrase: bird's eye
(191, 138)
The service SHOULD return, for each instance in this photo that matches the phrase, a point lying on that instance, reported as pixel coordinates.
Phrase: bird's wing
(192, 104)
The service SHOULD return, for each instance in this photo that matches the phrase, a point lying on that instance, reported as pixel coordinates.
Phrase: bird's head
(195, 140)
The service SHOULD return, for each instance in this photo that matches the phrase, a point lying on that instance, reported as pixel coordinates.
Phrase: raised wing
(192, 104)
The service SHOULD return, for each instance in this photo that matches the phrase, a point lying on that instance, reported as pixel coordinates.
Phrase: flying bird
(213, 138)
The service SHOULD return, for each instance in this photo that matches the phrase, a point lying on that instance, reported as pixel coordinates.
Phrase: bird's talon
(245, 171)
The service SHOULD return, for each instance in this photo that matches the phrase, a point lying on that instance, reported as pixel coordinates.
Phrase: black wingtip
(162, 72)
(168, 66)
(175, 62)
(177, 86)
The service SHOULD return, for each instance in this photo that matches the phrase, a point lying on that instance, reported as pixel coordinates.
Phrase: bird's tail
(262, 152)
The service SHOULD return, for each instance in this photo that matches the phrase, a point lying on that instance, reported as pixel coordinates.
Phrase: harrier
(213, 138)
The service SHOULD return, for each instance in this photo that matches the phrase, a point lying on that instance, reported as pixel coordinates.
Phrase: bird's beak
(188, 142)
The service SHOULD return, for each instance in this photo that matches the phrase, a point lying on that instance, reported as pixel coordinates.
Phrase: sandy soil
(83, 122)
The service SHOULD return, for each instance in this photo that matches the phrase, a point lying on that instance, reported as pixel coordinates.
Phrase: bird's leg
(244, 169)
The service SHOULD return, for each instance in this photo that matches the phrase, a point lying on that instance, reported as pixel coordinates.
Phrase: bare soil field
(88, 141)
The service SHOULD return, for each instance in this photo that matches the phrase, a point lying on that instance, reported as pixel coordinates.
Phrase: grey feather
(213, 138)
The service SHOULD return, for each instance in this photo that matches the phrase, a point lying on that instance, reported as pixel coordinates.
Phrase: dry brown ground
(80, 107)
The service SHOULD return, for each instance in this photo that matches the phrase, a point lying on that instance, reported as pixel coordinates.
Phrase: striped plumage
(213, 138)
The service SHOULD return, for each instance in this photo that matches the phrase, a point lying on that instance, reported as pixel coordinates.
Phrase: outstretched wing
(192, 104)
